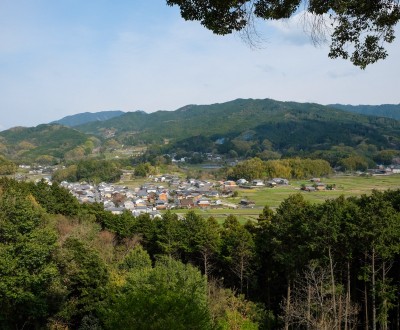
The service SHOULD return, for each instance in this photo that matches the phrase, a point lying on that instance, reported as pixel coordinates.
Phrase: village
(165, 192)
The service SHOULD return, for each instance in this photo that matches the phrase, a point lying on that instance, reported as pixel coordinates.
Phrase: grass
(345, 185)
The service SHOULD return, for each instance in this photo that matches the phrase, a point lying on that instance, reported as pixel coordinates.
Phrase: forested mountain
(283, 126)
(87, 117)
(44, 142)
(246, 128)
(383, 110)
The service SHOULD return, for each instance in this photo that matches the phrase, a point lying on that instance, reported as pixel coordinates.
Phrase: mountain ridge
(86, 117)
(247, 127)
(220, 118)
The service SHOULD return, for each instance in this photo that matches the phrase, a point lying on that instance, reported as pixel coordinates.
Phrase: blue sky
(63, 57)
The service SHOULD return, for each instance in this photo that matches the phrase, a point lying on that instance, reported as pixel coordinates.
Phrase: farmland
(345, 185)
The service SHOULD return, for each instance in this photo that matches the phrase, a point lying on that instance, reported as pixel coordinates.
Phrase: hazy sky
(63, 57)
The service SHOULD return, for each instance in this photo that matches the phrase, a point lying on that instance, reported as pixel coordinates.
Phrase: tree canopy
(65, 265)
(358, 29)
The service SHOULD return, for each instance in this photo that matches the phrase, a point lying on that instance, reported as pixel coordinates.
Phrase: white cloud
(303, 28)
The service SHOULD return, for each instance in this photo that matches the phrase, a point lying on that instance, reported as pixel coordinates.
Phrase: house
(141, 209)
(130, 194)
(230, 184)
(142, 193)
(151, 189)
(271, 184)
(108, 204)
(129, 205)
(226, 193)
(155, 214)
(241, 181)
(163, 197)
(246, 203)
(308, 188)
(281, 181)
(186, 203)
(115, 210)
(258, 183)
(161, 205)
(159, 179)
(396, 169)
(139, 202)
(203, 203)
(213, 194)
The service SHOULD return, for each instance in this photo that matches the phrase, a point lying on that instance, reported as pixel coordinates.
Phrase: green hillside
(242, 128)
(286, 125)
(51, 141)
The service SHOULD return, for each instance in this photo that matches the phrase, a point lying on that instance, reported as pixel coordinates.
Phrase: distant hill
(243, 127)
(383, 110)
(50, 140)
(286, 125)
(87, 117)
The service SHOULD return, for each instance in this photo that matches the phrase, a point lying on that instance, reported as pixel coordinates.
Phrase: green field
(345, 185)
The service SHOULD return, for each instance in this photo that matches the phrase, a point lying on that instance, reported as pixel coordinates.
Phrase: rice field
(345, 185)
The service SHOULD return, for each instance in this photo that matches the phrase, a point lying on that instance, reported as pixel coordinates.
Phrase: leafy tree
(122, 225)
(354, 163)
(46, 160)
(169, 296)
(111, 144)
(237, 252)
(380, 237)
(386, 156)
(55, 199)
(143, 169)
(231, 311)
(201, 240)
(29, 278)
(7, 167)
(335, 231)
(147, 229)
(66, 174)
(85, 277)
(290, 230)
(362, 25)
(250, 169)
(137, 258)
(198, 143)
(169, 234)
(268, 155)
(98, 170)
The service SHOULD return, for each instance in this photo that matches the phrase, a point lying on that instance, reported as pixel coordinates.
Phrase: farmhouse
(258, 183)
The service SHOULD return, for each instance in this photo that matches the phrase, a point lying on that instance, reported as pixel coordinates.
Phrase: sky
(59, 58)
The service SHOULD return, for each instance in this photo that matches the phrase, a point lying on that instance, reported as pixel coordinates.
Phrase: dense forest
(45, 144)
(66, 265)
(231, 124)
